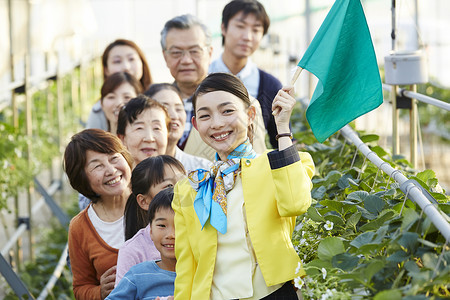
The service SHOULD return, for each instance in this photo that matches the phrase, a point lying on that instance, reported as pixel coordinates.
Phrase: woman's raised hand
(282, 107)
(107, 281)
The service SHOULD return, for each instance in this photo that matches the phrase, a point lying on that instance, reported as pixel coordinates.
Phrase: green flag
(342, 57)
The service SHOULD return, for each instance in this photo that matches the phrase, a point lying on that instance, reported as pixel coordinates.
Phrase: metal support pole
(413, 129)
(29, 127)
(76, 107)
(13, 280)
(60, 108)
(15, 110)
(15, 120)
(83, 92)
(394, 25)
(395, 116)
(29, 134)
(49, 102)
(308, 41)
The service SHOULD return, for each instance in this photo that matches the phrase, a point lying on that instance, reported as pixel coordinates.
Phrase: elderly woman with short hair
(99, 167)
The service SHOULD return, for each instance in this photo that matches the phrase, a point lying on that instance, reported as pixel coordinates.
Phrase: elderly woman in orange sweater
(99, 167)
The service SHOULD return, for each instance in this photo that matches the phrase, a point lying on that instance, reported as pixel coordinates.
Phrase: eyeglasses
(194, 53)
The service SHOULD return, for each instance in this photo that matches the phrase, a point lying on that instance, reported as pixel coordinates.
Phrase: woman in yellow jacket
(233, 223)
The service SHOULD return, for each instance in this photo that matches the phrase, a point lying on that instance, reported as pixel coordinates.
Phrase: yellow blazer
(273, 199)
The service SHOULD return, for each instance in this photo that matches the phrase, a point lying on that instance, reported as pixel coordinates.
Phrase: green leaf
(372, 269)
(329, 247)
(426, 175)
(416, 297)
(333, 204)
(358, 196)
(412, 267)
(373, 204)
(345, 261)
(370, 248)
(353, 220)
(315, 266)
(410, 216)
(389, 295)
(379, 151)
(430, 261)
(369, 138)
(409, 241)
(343, 182)
(398, 256)
(379, 221)
(381, 234)
(315, 215)
(318, 193)
(365, 213)
(337, 220)
(363, 239)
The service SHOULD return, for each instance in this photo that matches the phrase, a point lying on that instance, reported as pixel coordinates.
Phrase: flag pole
(293, 80)
(298, 70)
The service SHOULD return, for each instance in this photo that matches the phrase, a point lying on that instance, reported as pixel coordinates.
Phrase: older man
(186, 45)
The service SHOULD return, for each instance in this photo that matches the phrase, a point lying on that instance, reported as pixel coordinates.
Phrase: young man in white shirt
(244, 23)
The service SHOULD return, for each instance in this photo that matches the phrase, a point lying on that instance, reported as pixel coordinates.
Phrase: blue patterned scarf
(212, 186)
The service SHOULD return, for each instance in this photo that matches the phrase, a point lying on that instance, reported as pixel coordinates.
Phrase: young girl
(234, 221)
(149, 177)
(120, 56)
(117, 90)
(169, 96)
(143, 127)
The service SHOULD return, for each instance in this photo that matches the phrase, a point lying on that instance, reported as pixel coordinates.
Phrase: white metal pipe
(425, 99)
(56, 274)
(413, 192)
(419, 97)
(23, 227)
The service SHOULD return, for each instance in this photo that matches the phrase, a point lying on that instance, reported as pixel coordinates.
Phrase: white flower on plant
(302, 241)
(329, 225)
(298, 282)
(328, 293)
(299, 266)
(324, 296)
(324, 273)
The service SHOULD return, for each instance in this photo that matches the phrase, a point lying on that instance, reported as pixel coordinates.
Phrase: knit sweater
(90, 257)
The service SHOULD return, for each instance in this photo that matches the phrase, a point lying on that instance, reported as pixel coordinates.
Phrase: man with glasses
(244, 23)
(186, 44)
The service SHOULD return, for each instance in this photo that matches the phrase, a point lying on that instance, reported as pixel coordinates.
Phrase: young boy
(154, 279)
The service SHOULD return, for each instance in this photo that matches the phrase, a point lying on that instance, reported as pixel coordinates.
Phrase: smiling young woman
(231, 208)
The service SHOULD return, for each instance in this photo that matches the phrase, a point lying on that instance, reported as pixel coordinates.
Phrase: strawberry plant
(362, 237)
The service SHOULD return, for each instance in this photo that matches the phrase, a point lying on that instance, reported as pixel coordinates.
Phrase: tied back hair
(225, 82)
(146, 174)
(146, 79)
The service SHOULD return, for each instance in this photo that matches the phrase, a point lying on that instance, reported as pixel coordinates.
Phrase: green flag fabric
(342, 57)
